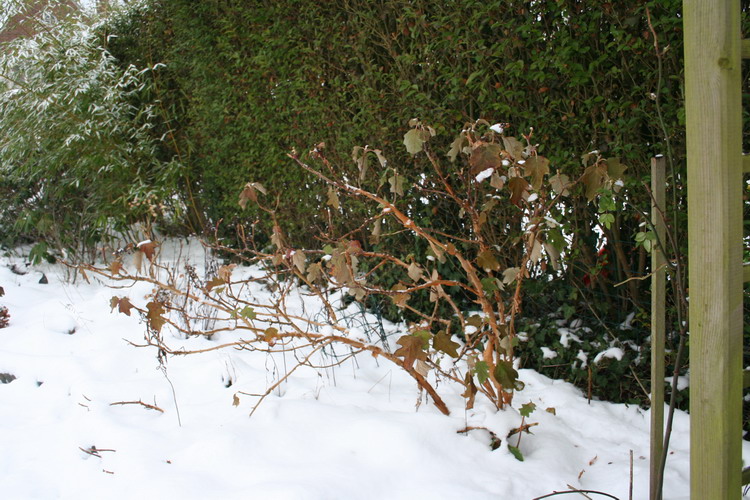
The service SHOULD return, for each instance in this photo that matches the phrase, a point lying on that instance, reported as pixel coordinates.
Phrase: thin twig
(641, 278)
(174, 394)
(571, 492)
(139, 402)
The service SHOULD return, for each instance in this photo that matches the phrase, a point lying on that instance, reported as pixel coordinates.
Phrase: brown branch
(139, 402)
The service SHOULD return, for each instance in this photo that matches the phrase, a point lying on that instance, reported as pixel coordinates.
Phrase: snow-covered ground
(351, 432)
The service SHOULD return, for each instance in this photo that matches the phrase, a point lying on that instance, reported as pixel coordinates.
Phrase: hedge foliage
(246, 81)
(77, 156)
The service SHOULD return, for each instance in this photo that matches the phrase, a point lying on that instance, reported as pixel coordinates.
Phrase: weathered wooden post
(658, 316)
(714, 157)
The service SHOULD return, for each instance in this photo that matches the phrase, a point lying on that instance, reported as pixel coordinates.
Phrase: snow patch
(612, 352)
(548, 353)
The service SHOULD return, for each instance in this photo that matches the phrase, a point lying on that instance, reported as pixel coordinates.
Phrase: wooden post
(658, 300)
(714, 163)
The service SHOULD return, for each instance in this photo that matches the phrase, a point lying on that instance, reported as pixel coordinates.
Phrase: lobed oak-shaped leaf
(270, 335)
(437, 252)
(519, 190)
(214, 282)
(456, 147)
(536, 167)
(527, 409)
(298, 259)
(510, 275)
(422, 368)
(154, 315)
(414, 140)
(276, 237)
(593, 179)
(506, 375)
(534, 248)
(476, 321)
(484, 156)
(115, 267)
(333, 198)
(442, 342)
(399, 299)
(314, 272)
(615, 169)
(225, 272)
(397, 184)
(514, 147)
(412, 349)
(377, 230)
(415, 272)
(496, 181)
(554, 255)
(482, 371)
(487, 261)
(123, 305)
(247, 312)
(471, 391)
(148, 248)
(560, 184)
(249, 193)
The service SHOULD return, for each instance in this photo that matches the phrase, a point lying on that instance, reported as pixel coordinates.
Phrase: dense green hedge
(245, 82)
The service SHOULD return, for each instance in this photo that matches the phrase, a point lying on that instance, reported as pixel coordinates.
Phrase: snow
(498, 127)
(612, 352)
(350, 432)
(548, 353)
(484, 174)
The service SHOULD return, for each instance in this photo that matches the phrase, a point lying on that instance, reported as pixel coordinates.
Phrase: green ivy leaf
(516, 453)
(506, 375)
(482, 371)
(247, 312)
(527, 409)
(490, 285)
(442, 342)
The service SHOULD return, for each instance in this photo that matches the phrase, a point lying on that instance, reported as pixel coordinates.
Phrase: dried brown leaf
(519, 190)
(536, 167)
(411, 349)
(487, 261)
(514, 147)
(298, 259)
(148, 248)
(415, 272)
(593, 179)
(154, 315)
(485, 155)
